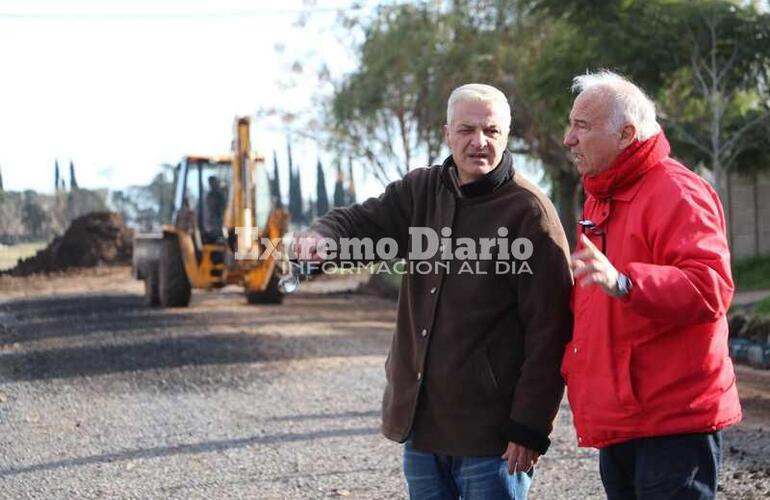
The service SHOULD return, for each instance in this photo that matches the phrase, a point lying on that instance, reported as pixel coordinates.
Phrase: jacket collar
(495, 178)
(620, 180)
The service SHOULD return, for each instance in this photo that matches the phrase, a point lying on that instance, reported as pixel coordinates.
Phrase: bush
(762, 308)
(752, 273)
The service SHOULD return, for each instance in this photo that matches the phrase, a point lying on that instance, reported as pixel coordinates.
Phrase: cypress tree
(351, 193)
(300, 203)
(276, 183)
(56, 176)
(73, 182)
(295, 191)
(322, 199)
(339, 189)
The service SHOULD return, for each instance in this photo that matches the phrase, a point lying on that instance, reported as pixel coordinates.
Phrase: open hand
(592, 267)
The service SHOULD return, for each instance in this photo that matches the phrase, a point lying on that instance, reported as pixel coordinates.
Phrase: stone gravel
(101, 397)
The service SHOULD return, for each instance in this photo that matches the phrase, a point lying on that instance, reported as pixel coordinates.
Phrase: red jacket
(656, 362)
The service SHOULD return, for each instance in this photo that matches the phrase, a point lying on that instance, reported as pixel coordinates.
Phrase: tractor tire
(270, 295)
(151, 293)
(173, 286)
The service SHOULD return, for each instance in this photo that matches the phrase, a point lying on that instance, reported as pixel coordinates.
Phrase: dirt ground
(102, 397)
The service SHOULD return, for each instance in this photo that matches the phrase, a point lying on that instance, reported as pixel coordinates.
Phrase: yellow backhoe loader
(223, 212)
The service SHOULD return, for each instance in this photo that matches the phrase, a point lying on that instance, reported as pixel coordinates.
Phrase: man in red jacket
(648, 374)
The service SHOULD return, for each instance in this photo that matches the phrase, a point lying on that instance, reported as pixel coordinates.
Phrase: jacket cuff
(322, 230)
(527, 436)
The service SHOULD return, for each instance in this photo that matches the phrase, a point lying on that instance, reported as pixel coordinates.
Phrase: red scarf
(632, 163)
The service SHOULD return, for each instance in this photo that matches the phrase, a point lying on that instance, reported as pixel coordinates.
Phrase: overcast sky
(120, 87)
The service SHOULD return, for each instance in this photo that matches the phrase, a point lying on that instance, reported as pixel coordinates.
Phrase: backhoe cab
(222, 207)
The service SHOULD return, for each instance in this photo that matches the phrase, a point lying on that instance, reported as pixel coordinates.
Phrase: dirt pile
(94, 239)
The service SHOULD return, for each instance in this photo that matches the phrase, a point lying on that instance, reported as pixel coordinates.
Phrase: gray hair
(480, 92)
(630, 103)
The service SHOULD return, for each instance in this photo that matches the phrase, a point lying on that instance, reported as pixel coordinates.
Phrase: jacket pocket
(571, 362)
(488, 376)
(478, 381)
(625, 383)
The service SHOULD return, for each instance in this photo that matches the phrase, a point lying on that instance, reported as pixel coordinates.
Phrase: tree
(295, 191)
(350, 194)
(56, 175)
(705, 63)
(412, 58)
(73, 182)
(472, 40)
(1, 181)
(540, 53)
(125, 205)
(147, 206)
(339, 189)
(389, 112)
(531, 49)
(83, 201)
(644, 41)
(161, 194)
(718, 101)
(12, 227)
(275, 183)
(34, 216)
(322, 198)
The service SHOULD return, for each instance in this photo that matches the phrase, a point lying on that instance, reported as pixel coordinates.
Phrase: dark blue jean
(440, 477)
(677, 467)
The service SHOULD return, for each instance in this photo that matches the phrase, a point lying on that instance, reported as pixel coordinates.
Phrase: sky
(120, 87)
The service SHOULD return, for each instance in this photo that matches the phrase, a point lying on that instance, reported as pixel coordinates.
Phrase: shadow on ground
(63, 337)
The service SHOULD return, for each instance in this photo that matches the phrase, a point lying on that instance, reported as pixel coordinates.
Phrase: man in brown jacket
(473, 381)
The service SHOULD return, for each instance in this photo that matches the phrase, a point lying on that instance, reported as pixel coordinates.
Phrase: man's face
(477, 138)
(593, 146)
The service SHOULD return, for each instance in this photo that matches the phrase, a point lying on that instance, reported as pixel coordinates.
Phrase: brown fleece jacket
(474, 361)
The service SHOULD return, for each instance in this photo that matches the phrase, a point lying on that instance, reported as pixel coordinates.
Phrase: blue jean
(677, 467)
(441, 477)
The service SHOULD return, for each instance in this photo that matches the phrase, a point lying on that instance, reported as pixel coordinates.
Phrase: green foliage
(296, 209)
(322, 199)
(752, 273)
(73, 180)
(716, 101)
(56, 175)
(339, 189)
(275, 183)
(391, 109)
(33, 213)
(350, 192)
(762, 308)
(376, 111)
(83, 201)
(146, 207)
(31, 216)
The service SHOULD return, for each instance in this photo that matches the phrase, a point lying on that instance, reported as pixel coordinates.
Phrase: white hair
(630, 103)
(480, 92)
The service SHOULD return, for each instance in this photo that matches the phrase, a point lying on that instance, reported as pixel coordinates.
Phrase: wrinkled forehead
(593, 105)
(479, 112)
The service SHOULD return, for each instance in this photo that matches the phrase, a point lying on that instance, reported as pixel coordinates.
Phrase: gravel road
(101, 397)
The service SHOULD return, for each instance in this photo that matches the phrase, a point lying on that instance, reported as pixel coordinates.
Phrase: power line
(170, 16)
(354, 6)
